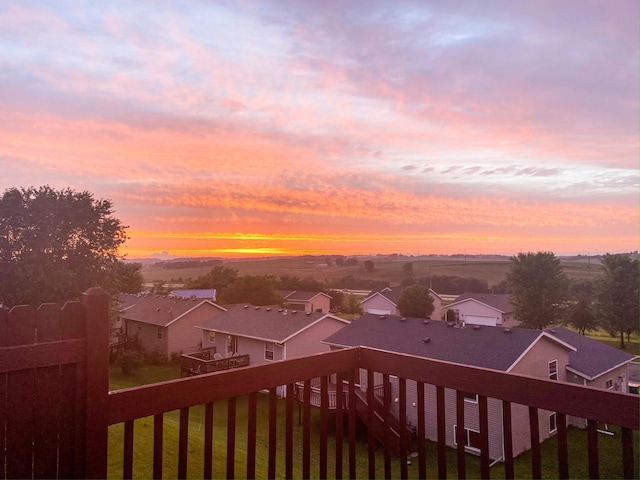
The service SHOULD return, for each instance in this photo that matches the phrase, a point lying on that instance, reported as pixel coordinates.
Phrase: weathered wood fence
(53, 380)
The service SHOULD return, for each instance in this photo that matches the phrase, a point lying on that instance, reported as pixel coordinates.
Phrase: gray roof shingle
(269, 323)
(591, 358)
(161, 310)
(499, 301)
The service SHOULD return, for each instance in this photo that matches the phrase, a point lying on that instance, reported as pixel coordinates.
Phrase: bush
(129, 361)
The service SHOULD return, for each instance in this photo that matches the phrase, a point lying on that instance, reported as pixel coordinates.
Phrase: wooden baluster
(371, 438)
(158, 432)
(509, 472)
(324, 420)
(422, 454)
(251, 435)
(483, 411)
(306, 431)
(563, 452)
(127, 450)
(442, 435)
(289, 432)
(273, 438)
(592, 442)
(404, 444)
(460, 435)
(534, 427)
(231, 437)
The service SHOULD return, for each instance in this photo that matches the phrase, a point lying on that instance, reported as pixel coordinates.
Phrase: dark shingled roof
(488, 347)
(499, 301)
(390, 293)
(303, 296)
(264, 323)
(592, 358)
(161, 310)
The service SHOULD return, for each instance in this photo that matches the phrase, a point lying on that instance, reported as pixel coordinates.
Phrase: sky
(256, 128)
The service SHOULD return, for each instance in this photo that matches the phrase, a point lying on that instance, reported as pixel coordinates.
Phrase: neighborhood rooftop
(497, 348)
(499, 301)
(268, 323)
(160, 310)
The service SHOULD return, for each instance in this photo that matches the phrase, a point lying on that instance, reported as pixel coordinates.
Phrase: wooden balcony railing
(202, 362)
(56, 410)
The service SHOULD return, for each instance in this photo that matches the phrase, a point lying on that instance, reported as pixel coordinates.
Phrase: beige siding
(147, 336)
(183, 336)
(310, 340)
(378, 303)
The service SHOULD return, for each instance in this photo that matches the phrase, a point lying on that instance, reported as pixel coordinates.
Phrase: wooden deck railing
(194, 364)
(34, 445)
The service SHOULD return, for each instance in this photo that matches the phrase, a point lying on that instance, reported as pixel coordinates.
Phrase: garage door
(378, 311)
(478, 320)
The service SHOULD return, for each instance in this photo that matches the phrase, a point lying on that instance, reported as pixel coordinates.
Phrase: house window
(232, 344)
(470, 397)
(552, 422)
(212, 336)
(553, 370)
(159, 333)
(268, 350)
(471, 439)
(609, 384)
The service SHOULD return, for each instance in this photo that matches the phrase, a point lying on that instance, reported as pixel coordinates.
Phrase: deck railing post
(96, 303)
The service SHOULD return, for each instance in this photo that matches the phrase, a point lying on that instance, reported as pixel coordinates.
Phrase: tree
(407, 268)
(218, 277)
(256, 290)
(581, 316)
(368, 265)
(415, 301)
(127, 277)
(616, 291)
(351, 262)
(54, 244)
(537, 288)
(351, 304)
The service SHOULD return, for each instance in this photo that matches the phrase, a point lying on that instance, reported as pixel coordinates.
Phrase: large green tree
(415, 301)
(218, 277)
(54, 244)
(253, 289)
(537, 288)
(616, 291)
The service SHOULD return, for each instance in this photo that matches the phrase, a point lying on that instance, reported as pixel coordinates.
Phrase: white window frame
(268, 351)
(553, 416)
(232, 344)
(159, 333)
(467, 443)
(469, 399)
(550, 373)
(609, 384)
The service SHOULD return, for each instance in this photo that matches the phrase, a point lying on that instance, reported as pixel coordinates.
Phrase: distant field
(389, 269)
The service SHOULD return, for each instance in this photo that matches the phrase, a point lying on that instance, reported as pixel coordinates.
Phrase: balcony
(57, 411)
(206, 361)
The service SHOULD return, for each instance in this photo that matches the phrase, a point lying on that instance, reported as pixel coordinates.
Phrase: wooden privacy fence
(53, 387)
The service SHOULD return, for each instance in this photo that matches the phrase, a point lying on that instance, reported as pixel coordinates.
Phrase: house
(204, 293)
(165, 323)
(385, 302)
(484, 309)
(555, 354)
(307, 301)
(268, 333)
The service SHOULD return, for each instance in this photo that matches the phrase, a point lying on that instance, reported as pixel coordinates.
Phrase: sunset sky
(230, 128)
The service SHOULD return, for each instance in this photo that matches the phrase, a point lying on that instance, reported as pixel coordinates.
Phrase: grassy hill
(389, 268)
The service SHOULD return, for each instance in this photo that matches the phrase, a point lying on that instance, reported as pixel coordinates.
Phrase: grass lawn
(610, 450)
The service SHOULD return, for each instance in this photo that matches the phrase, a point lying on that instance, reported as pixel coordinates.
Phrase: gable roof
(270, 323)
(591, 358)
(392, 294)
(294, 295)
(497, 301)
(162, 310)
(489, 347)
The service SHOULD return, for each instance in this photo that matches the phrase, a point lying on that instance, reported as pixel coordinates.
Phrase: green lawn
(610, 455)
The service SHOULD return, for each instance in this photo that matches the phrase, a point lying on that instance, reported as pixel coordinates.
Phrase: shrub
(129, 361)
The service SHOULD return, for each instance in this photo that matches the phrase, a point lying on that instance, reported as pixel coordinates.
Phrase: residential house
(556, 354)
(268, 333)
(307, 301)
(484, 309)
(204, 293)
(165, 323)
(385, 302)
